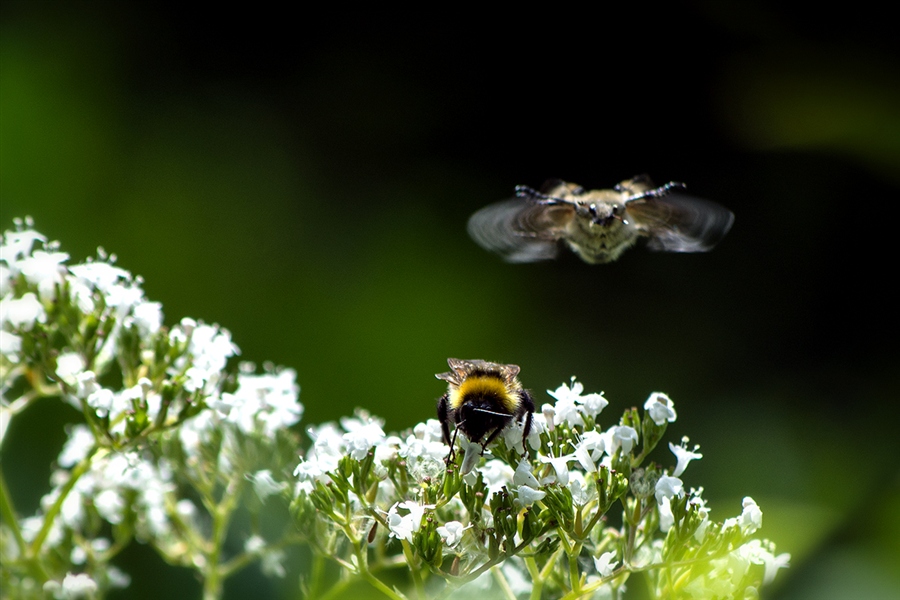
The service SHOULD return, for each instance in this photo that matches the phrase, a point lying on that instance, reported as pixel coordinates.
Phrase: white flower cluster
(104, 489)
(167, 455)
(97, 288)
(574, 455)
(423, 449)
(120, 467)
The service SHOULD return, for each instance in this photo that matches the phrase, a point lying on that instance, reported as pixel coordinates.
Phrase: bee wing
(521, 230)
(680, 223)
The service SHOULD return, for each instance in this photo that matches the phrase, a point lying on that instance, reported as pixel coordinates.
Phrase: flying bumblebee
(482, 399)
(598, 225)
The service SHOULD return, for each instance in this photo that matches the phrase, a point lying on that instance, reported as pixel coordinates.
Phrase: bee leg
(491, 438)
(528, 418)
(528, 406)
(443, 411)
(449, 458)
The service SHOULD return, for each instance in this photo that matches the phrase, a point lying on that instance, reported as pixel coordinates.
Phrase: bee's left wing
(521, 229)
(675, 222)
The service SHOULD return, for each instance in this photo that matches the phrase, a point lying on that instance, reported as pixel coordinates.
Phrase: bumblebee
(482, 399)
(598, 225)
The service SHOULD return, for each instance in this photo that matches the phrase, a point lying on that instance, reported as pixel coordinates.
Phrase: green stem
(551, 564)
(8, 512)
(632, 524)
(417, 575)
(316, 573)
(574, 573)
(537, 582)
(213, 574)
(503, 583)
(76, 473)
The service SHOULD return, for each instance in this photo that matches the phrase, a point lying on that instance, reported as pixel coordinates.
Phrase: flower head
(683, 456)
(661, 408)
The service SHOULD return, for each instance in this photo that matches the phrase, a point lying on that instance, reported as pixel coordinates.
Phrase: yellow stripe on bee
(484, 386)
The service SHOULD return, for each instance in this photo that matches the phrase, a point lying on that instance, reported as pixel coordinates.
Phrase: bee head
(600, 213)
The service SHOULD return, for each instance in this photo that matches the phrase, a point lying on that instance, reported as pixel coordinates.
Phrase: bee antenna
(660, 191)
(529, 193)
(491, 412)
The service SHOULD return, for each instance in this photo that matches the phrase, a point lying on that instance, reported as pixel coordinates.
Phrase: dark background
(304, 179)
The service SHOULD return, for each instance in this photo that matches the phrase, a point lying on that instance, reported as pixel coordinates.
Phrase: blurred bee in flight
(598, 225)
(482, 399)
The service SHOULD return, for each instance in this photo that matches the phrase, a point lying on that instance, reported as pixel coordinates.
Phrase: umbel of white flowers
(185, 439)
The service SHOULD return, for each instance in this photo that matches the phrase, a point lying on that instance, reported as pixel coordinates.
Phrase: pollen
(485, 386)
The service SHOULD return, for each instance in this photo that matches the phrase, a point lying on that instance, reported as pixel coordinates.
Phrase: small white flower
(751, 517)
(403, 527)
(111, 506)
(15, 245)
(147, 316)
(582, 493)
(683, 456)
(668, 487)
(538, 426)
(624, 436)
(43, 270)
(514, 436)
(194, 380)
(429, 431)
(22, 313)
(590, 449)
(265, 485)
(452, 532)
(560, 465)
(254, 545)
(316, 467)
(697, 503)
(86, 384)
(10, 343)
(362, 439)
(211, 347)
(399, 526)
(760, 552)
(116, 578)
(566, 393)
(272, 563)
(497, 475)
(77, 586)
(101, 275)
(569, 398)
(549, 414)
(68, 366)
(6, 281)
(526, 495)
(76, 448)
(666, 517)
(606, 563)
(660, 408)
(565, 410)
(413, 449)
(472, 452)
(593, 404)
(101, 401)
(524, 476)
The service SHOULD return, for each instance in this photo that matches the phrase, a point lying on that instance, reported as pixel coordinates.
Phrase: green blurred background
(304, 178)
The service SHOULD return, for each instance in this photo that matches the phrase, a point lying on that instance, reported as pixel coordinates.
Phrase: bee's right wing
(521, 229)
(676, 222)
